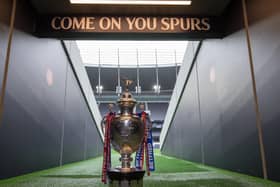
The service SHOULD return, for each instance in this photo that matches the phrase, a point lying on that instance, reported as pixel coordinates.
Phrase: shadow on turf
(73, 176)
(196, 183)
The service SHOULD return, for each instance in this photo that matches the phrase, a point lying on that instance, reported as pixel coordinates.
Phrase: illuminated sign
(87, 26)
(130, 24)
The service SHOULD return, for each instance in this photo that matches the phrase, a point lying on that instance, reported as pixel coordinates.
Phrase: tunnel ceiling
(198, 7)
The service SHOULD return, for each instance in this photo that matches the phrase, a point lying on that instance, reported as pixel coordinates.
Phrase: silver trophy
(127, 133)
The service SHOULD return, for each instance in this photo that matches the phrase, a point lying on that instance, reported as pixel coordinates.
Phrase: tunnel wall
(215, 121)
(46, 120)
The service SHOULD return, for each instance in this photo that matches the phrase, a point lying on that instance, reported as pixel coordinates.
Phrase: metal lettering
(53, 23)
(205, 24)
(116, 23)
(165, 25)
(173, 23)
(130, 22)
(152, 24)
(79, 24)
(90, 23)
(125, 24)
(140, 23)
(66, 23)
(185, 24)
(104, 23)
(195, 24)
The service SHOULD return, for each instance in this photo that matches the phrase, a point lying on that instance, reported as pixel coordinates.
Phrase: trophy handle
(149, 123)
(103, 123)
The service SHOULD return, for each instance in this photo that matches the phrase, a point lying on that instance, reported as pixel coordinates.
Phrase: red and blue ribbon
(145, 148)
(107, 148)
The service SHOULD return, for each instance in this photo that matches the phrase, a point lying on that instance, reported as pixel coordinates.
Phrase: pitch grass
(170, 172)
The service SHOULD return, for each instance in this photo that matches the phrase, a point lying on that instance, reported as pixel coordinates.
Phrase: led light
(133, 2)
(118, 89)
(138, 89)
(157, 88)
(99, 89)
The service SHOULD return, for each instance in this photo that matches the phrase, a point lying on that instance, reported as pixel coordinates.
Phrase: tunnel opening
(213, 102)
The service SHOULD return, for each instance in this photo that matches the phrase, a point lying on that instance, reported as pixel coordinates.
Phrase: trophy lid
(126, 96)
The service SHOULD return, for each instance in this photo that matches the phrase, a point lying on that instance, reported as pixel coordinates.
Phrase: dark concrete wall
(40, 82)
(216, 122)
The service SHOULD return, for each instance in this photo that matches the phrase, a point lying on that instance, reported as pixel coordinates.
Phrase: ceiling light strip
(131, 2)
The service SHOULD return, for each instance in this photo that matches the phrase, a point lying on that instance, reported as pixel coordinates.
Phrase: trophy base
(130, 177)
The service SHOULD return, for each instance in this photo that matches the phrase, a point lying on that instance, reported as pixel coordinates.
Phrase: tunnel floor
(170, 172)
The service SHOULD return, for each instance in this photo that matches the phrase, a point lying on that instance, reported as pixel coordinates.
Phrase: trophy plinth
(134, 178)
(127, 133)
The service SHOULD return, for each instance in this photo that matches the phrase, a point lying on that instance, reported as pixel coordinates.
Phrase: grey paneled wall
(264, 19)
(184, 137)
(227, 108)
(32, 126)
(228, 122)
(75, 122)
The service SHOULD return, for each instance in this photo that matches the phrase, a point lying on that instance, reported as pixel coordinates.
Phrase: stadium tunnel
(215, 116)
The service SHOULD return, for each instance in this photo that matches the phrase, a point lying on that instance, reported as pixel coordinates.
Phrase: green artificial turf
(198, 183)
(170, 172)
(169, 165)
